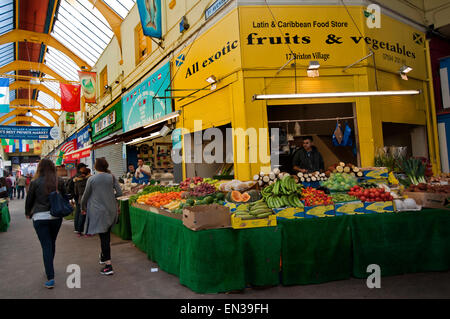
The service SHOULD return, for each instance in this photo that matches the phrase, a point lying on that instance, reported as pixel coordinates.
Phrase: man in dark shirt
(308, 159)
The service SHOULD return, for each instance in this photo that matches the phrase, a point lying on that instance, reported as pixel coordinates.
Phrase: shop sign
(214, 8)
(216, 52)
(83, 138)
(328, 36)
(29, 132)
(139, 107)
(150, 15)
(7, 163)
(105, 122)
(70, 166)
(77, 155)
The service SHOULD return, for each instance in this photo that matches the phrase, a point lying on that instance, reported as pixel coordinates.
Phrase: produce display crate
(239, 223)
(157, 210)
(349, 208)
(381, 173)
(378, 207)
(289, 212)
(430, 200)
(319, 211)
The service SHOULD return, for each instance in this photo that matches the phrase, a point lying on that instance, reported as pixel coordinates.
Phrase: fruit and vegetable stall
(222, 235)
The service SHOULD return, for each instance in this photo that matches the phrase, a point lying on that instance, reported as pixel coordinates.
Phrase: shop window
(103, 80)
(143, 44)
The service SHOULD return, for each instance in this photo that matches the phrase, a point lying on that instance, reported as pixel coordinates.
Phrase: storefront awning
(78, 154)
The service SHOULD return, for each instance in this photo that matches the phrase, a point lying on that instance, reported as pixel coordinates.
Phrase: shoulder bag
(59, 204)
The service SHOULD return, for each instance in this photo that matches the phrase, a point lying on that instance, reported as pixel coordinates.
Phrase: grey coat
(99, 201)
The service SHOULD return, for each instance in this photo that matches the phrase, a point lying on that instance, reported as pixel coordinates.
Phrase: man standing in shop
(308, 159)
(21, 183)
(131, 173)
(143, 172)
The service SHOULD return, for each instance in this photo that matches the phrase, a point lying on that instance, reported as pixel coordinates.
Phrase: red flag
(70, 97)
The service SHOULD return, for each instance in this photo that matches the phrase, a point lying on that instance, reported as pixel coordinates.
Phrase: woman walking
(99, 203)
(37, 208)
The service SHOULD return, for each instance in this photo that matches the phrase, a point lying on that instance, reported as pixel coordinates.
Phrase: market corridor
(22, 272)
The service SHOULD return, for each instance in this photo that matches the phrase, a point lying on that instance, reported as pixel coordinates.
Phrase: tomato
(366, 193)
(378, 199)
(362, 198)
(377, 194)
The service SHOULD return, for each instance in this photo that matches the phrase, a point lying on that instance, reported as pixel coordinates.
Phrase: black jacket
(312, 163)
(80, 186)
(37, 198)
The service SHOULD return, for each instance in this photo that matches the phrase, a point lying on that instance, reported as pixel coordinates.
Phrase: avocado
(208, 200)
(220, 196)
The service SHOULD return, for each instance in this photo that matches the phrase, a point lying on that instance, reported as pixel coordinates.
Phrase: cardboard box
(239, 223)
(349, 208)
(289, 213)
(159, 211)
(206, 217)
(319, 211)
(381, 173)
(378, 207)
(430, 200)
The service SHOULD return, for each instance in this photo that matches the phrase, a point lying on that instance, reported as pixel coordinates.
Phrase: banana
(276, 188)
(264, 215)
(260, 211)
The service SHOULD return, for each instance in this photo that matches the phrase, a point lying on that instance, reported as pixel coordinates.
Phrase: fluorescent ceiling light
(143, 139)
(405, 69)
(313, 65)
(162, 119)
(313, 73)
(212, 79)
(333, 95)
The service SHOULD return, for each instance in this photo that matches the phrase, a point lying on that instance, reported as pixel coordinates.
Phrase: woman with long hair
(100, 204)
(37, 208)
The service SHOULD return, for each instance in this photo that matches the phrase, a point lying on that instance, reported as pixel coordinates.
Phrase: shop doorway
(414, 137)
(319, 121)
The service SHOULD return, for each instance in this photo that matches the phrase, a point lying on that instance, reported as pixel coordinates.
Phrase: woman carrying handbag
(100, 204)
(38, 207)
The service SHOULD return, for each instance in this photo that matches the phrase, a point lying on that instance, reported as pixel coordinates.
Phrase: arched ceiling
(49, 41)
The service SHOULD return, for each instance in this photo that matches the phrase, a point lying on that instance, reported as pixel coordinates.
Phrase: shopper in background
(143, 172)
(11, 185)
(131, 174)
(37, 208)
(27, 185)
(308, 159)
(70, 188)
(21, 183)
(80, 186)
(3, 188)
(100, 204)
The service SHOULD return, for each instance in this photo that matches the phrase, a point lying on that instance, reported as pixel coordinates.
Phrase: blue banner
(83, 138)
(138, 106)
(150, 14)
(29, 132)
(4, 95)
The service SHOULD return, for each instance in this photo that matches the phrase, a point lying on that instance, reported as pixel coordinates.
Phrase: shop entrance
(319, 121)
(413, 137)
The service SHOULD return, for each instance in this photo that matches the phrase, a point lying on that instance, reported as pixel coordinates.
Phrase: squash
(254, 195)
(236, 196)
(245, 197)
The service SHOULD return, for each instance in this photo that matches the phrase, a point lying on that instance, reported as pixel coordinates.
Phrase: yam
(300, 174)
(256, 178)
(360, 174)
(346, 169)
(272, 176)
(340, 169)
(276, 171)
(302, 179)
(342, 164)
(266, 179)
(355, 169)
(308, 180)
(313, 179)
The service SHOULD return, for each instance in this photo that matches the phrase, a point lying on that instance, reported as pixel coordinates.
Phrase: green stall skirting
(5, 218)
(316, 250)
(123, 227)
(312, 251)
(209, 261)
(401, 243)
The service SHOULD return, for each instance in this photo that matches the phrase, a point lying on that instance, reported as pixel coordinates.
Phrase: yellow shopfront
(256, 51)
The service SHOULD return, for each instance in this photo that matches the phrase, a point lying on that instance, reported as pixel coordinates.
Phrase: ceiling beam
(27, 65)
(34, 108)
(23, 119)
(19, 35)
(26, 85)
(113, 19)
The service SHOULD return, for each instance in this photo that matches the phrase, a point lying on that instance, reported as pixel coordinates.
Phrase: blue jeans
(47, 231)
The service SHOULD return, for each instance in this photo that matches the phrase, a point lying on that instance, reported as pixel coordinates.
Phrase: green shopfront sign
(109, 122)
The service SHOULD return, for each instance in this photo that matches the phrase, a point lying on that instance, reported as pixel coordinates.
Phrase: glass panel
(121, 7)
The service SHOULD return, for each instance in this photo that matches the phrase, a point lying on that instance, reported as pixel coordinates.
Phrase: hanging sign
(150, 14)
(70, 118)
(30, 132)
